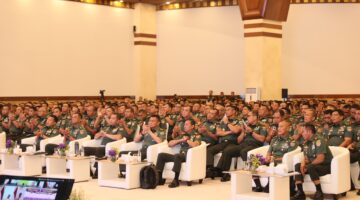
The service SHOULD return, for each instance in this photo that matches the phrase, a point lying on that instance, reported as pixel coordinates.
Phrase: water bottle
(34, 147)
(139, 156)
(77, 148)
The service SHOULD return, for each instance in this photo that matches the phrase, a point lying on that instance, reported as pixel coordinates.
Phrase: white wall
(200, 49)
(62, 48)
(321, 49)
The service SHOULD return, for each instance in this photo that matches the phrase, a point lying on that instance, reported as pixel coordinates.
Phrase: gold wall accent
(112, 3)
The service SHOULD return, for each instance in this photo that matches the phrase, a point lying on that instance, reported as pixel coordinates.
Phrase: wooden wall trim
(145, 43)
(263, 25)
(144, 35)
(327, 96)
(116, 4)
(265, 34)
(61, 98)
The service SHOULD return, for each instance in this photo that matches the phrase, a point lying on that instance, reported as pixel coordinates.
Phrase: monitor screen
(31, 188)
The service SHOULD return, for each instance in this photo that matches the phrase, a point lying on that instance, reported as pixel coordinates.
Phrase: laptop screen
(31, 188)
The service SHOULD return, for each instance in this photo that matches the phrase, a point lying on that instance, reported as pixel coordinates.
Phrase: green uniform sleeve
(348, 132)
(320, 146)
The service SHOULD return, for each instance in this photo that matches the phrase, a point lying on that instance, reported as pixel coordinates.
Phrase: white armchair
(338, 181)
(2, 140)
(193, 169)
(151, 152)
(233, 161)
(111, 145)
(114, 145)
(80, 141)
(53, 140)
(288, 159)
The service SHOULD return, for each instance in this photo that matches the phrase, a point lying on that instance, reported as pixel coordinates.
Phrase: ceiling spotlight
(168, 2)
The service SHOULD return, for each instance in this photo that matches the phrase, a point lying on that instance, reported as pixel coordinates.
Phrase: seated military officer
(354, 149)
(49, 130)
(227, 132)
(186, 139)
(208, 128)
(338, 134)
(278, 116)
(107, 134)
(74, 132)
(316, 162)
(252, 136)
(151, 134)
(281, 144)
(128, 125)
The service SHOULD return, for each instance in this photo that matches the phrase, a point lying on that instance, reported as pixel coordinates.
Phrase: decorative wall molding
(112, 3)
(144, 39)
(61, 98)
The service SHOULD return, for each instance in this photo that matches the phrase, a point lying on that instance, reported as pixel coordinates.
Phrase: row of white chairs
(195, 166)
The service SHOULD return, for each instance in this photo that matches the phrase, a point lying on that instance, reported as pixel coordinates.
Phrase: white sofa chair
(338, 182)
(233, 161)
(111, 145)
(2, 140)
(193, 169)
(80, 141)
(288, 159)
(151, 152)
(53, 140)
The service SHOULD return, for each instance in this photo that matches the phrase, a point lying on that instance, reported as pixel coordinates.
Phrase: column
(263, 45)
(145, 51)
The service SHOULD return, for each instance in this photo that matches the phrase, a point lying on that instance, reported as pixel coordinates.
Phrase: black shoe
(358, 193)
(318, 195)
(174, 184)
(225, 178)
(299, 196)
(257, 189)
(210, 174)
(266, 188)
(162, 181)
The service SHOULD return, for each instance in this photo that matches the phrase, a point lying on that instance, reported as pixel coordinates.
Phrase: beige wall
(199, 49)
(321, 49)
(60, 48)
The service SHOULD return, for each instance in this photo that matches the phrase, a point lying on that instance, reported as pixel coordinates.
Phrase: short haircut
(310, 127)
(156, 116)
(341, 113)
(328, 112)
(191, 121)
(54, 117)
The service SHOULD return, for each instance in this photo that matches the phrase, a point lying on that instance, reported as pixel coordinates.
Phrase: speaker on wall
(284, 93)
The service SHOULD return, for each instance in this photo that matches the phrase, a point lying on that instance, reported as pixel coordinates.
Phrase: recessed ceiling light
(168, 2)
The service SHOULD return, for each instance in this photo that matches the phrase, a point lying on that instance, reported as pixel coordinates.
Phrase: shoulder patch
(318, 143)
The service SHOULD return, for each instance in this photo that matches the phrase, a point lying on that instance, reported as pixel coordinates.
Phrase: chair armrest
(288, 158)
(29, 140)
(53, 140)
(340, 170)
(80, 141)
(2, 140)
(261, 150)
(153, 151)
(196, 161)
(114, 145)
(298, 158)
(166, 149)
(131, 146)
(92, 143)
